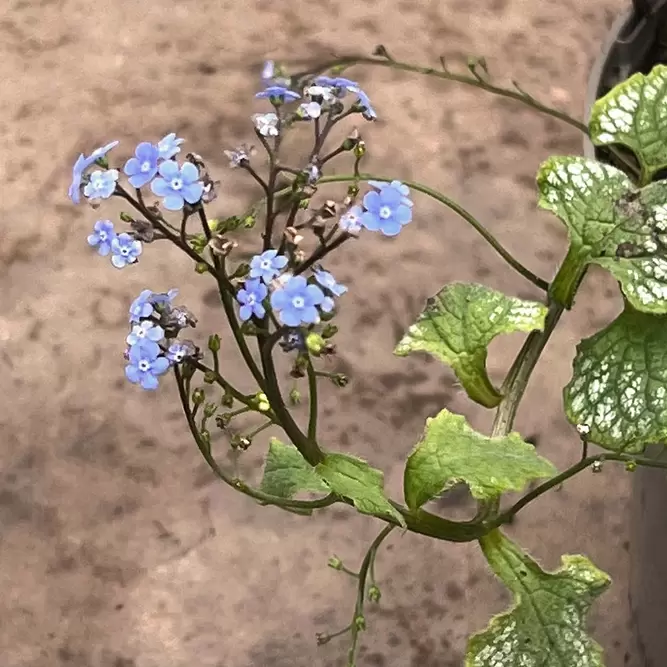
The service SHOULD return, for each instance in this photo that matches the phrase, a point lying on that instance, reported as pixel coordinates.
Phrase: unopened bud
(583, 430)
(214, 343)
(240, 442)
(329, 331)
(340, 380)
(295, 396)
(210, 409)
(335, 563)
(263, 404)
(631, 466)
(198, 396)
(374, 594)
(360, 623)
(222, 420)
(126, 217)
(227, 400)
(597, 466)
(201, 267)
(209, 377)
(315, 343)
(360, 149)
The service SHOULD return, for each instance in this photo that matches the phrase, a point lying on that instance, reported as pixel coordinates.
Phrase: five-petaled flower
(125, 249)
(385, 211)
(177, 352)
(102, 237)
(278, 94)
(401, 187)
(145, 364)
(102, 184)
(146, 330)
(143, 305)
(350, 221)
(296, 302)
(326, 280)
(177, 185)
(267, 265)
(82, 163)
(266, 124)
(169, 146)
(250, 296)
(143, 166)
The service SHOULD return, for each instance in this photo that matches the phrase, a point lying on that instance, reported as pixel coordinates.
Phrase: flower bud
(360, 149)
(227, 400)
(126, 217)
(335, 563)
(209, 377)
(201, 267)
(240, 442)
(214, 343)
(631, 466)
(340, 380)
(295, 396)
(360, 623)
(329, 331)
(315, 343)
(198, 396)
(210, 409)
(374, 594)
(263, 404)
(222, 420)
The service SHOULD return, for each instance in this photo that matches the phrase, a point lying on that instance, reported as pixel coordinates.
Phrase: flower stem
(457, 208)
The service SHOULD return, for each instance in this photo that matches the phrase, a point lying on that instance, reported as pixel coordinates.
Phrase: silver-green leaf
(619, 383)
(451, 452)
(457, 326)
(546, 627)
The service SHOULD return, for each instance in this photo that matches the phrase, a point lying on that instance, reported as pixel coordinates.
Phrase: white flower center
(176, 183)
(103, 236)
(145, 167)
(124, 251)
(385, 212)
(266, 264)
(251, 299)
(144, 365)
(178, 356)
(298, 302)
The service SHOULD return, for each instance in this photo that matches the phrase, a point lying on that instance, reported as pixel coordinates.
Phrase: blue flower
(125, 250)
(296, 302)
(350, 221)
(385, 211)
(327, 281)
(82, 163)
(339, 83)
(268, 71)
(177, 352)
(250, 297)
(102, 184)
(143, 166)
(102, 237)
(267, 265)
(367, 110)
(146, 364)
(142, 306)
(177, 185)
(169, 146)
(279, 93)
(401, 187)
(327, 305)
(146, 330)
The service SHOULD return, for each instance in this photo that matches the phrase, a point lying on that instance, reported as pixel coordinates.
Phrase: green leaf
(353, 478)
(451, 452)
(634, 114)
(619, 383)
(287, 473)
(457, 326)
(546, 627)
(612, 224)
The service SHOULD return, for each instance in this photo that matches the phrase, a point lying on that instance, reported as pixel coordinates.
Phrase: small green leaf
(457, 326)
(287, 473)
(546, 627)
(612, 224)
(633, 114)
(353, 478)
(619, 383)
(451, 452)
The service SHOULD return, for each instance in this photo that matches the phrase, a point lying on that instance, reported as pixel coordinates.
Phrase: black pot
(637, 42)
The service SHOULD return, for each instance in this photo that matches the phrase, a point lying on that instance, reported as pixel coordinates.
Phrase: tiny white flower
(266, 124)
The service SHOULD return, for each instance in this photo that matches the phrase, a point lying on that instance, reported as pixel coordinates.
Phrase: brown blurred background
(117, 546)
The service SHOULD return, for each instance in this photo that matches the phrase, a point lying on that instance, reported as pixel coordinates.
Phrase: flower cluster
(294, 299)
(152, 342)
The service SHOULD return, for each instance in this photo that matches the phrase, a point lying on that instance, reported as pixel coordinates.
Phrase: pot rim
(599, 69)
